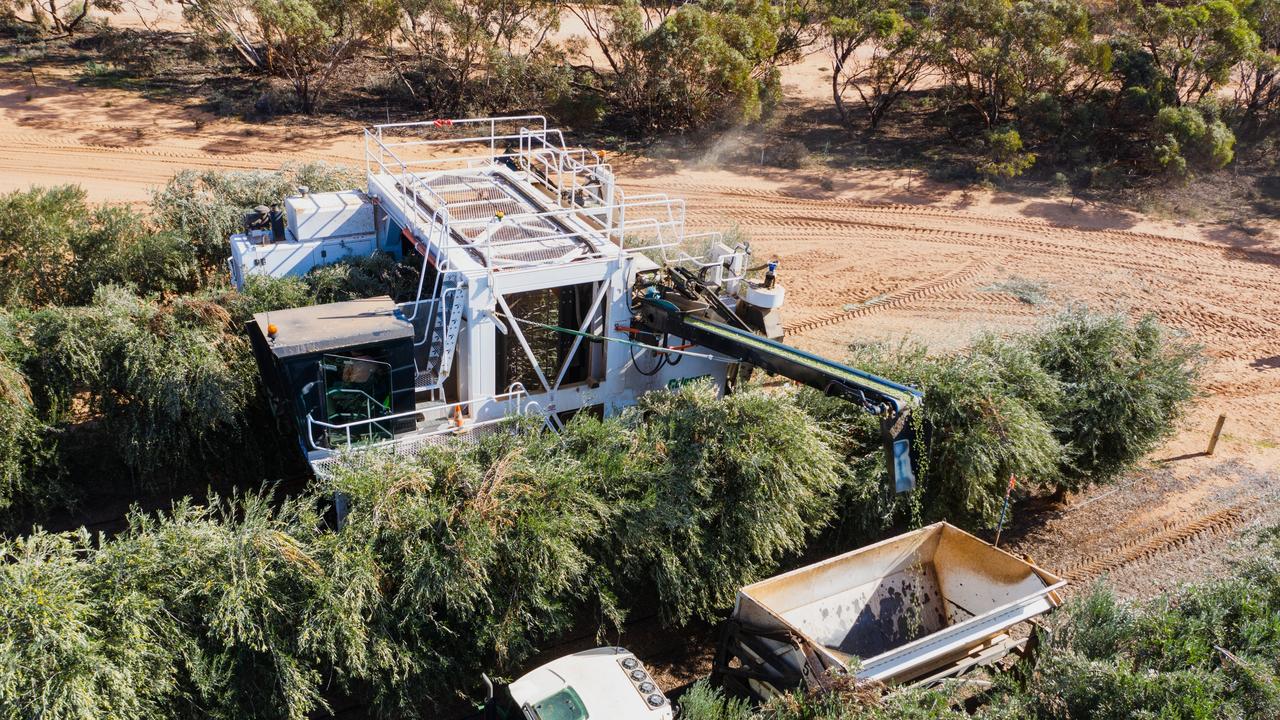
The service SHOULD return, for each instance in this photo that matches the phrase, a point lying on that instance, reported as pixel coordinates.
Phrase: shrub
(704, 702)
(22, 443)
(479, 549)
(168, 383)
(1005, 156)
(70, 645)
(714, 492)
(260, 612)
(264, 294)
(982, 421)
(1125, 385)
(206, 207)
(1186, 138)
(1207, 651)
(702, 64)
(57, 249)
(377, 274)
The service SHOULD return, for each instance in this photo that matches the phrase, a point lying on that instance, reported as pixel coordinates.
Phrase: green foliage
(23, 445)
(362, 277)
(704, 702)
(1207, 651)
(259, 612)
(349, 279)
(997, 54)
(1187, 138)
(846, 699)
(1125, 385)
(1257, 97)
(57, 249)
(206, 207)
(705, 63)
(484, 57)
(1195, 45)
(263, 294)
(167, 383)
(1005, 156)
(1080, 401)
(984, 419)
(716, 492)
(70, 646)
(480, 548)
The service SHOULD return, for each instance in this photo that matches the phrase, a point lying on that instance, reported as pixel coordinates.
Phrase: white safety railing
(590, 210)
(350, 433)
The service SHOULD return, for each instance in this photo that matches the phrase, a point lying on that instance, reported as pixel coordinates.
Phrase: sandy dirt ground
(879, 255)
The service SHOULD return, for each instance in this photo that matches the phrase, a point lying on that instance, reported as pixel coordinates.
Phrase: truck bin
(917, 607)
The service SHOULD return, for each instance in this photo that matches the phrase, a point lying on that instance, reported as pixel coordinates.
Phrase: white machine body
(528, 251)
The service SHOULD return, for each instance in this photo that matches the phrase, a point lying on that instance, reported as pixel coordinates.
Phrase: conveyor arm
(890, 400)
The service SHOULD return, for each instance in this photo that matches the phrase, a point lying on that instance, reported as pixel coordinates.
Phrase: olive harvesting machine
(543, 289)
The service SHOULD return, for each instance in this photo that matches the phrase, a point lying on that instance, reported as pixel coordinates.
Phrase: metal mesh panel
(525, 235)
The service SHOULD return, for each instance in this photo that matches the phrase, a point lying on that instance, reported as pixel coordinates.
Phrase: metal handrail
(515, 392)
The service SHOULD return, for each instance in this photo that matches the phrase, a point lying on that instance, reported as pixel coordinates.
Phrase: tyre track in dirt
(1173, 535)
(893, 300)
(767, 223)
(726, 195)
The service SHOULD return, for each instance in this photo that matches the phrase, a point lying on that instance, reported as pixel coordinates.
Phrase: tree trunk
(837, 69)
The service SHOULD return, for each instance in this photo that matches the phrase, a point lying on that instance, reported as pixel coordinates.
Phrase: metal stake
(1004, 508)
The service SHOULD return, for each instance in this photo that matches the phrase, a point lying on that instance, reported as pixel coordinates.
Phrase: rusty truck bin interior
(921, 605)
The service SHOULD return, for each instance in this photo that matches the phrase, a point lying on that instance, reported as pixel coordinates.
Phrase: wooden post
(1217, 430)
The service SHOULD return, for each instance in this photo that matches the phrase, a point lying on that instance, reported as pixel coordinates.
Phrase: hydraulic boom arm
(890, 400)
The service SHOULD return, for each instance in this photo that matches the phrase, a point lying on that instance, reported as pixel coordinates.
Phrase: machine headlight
(630, 663)
(656, 700)
(638, 675)
(647, 687)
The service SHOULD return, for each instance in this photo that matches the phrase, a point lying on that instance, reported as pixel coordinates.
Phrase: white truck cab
(606, 683)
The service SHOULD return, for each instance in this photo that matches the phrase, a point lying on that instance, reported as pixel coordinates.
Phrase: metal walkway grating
(487, 211)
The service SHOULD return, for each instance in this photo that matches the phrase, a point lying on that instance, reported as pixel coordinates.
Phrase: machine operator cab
(606, 683)
(338, 368)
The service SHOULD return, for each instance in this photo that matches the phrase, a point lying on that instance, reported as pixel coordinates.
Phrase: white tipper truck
(606, 682)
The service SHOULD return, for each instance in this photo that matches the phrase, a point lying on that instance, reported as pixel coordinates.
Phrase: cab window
(564, 705)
